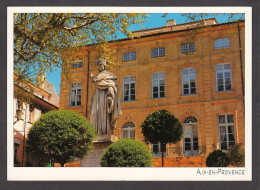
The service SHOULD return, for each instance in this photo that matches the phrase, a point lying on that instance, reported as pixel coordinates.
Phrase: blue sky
(154, 20)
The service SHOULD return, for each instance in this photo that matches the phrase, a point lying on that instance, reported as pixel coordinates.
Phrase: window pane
(186, 91)
(73, 94)
(162, 94)
(222, 129)
(154, 53)
(126, 98)
(79, 92)
(79, 84)
(132, 97)
(126, 79)
(230, 119)
(132, 78)
(221, 119)
(162, 88)
(231, 137)
(155, 148)
(220, 88)
(231, 129)
(73, 84)
(132, 134)
(231, 143)
(219, 67)
(132, 85)
(185, 71)
(192, 70)
(125, 134)
(220, 75)
(193, 91)
(195, 146)
(79, 101)
(155, 76)
(155, 95)
(224, 145)
(155, 89)
(161, 52)
(162, 75)
(72, 103)
(226, 66)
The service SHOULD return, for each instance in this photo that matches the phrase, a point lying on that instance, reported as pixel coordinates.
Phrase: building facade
(27, 111)
(193, 70)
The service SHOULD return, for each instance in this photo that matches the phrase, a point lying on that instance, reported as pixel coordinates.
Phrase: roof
(175, 31)
(175, 25)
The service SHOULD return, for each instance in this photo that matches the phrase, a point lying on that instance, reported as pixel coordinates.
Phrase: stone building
(194, 70)
(28, 109)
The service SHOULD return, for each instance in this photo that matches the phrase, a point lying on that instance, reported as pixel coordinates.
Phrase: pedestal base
(100, 144)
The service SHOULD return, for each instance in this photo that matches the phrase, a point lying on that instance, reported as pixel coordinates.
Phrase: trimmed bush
(237, 155)
(126, 153)
(59, 135)
(217, 158)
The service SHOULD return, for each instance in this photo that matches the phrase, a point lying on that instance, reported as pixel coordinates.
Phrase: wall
(205, 106)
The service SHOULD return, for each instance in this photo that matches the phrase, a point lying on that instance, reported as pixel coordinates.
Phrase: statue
(105, 105)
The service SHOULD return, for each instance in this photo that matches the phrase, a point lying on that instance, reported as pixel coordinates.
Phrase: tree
(40, 39)
(126, 153)
(59, 135)
(237, 155)
(161, 126)
(217, 158)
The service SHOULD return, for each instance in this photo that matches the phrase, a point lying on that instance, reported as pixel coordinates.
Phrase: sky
(154, 20)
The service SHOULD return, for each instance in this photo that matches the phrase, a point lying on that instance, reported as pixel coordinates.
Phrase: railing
(178, 151)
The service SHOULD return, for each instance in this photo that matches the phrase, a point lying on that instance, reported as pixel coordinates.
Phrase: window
(187, 48)
(158, 148)
(226, 131)
(158, 85)
(223, 77)
(189, 81)
(78, 63)
(75, 94)
(128, 131)
(129, 88)
(190, 137)
(221, 43)
(129, 56)
(158, 52)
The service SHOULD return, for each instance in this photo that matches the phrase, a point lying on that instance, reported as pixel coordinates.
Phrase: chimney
(171, 22)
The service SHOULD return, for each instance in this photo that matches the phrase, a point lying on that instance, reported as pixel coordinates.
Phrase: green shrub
(217, 158)
(58, 135)
(126, 153)
(237, 155)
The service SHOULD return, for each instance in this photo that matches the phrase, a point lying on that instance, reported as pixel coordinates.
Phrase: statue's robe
(103, 118)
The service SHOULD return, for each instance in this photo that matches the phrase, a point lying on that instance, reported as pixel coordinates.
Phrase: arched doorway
(190, 137)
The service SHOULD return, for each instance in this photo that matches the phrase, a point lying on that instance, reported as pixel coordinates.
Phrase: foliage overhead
(217, 158)
(161, 126)
(40, 38)
(237, 155)
(59, 135)
(126, 153)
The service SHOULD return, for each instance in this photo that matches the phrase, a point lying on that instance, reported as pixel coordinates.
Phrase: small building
(194, 70)
(28, 108)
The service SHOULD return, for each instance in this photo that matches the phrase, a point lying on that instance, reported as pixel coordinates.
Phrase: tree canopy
(59, 135)
(161, 126)
(40, 38)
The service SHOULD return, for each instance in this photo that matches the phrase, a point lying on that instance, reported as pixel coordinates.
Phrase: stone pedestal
(100, 144)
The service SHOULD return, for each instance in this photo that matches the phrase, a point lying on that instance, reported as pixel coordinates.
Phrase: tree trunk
(162, 159)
